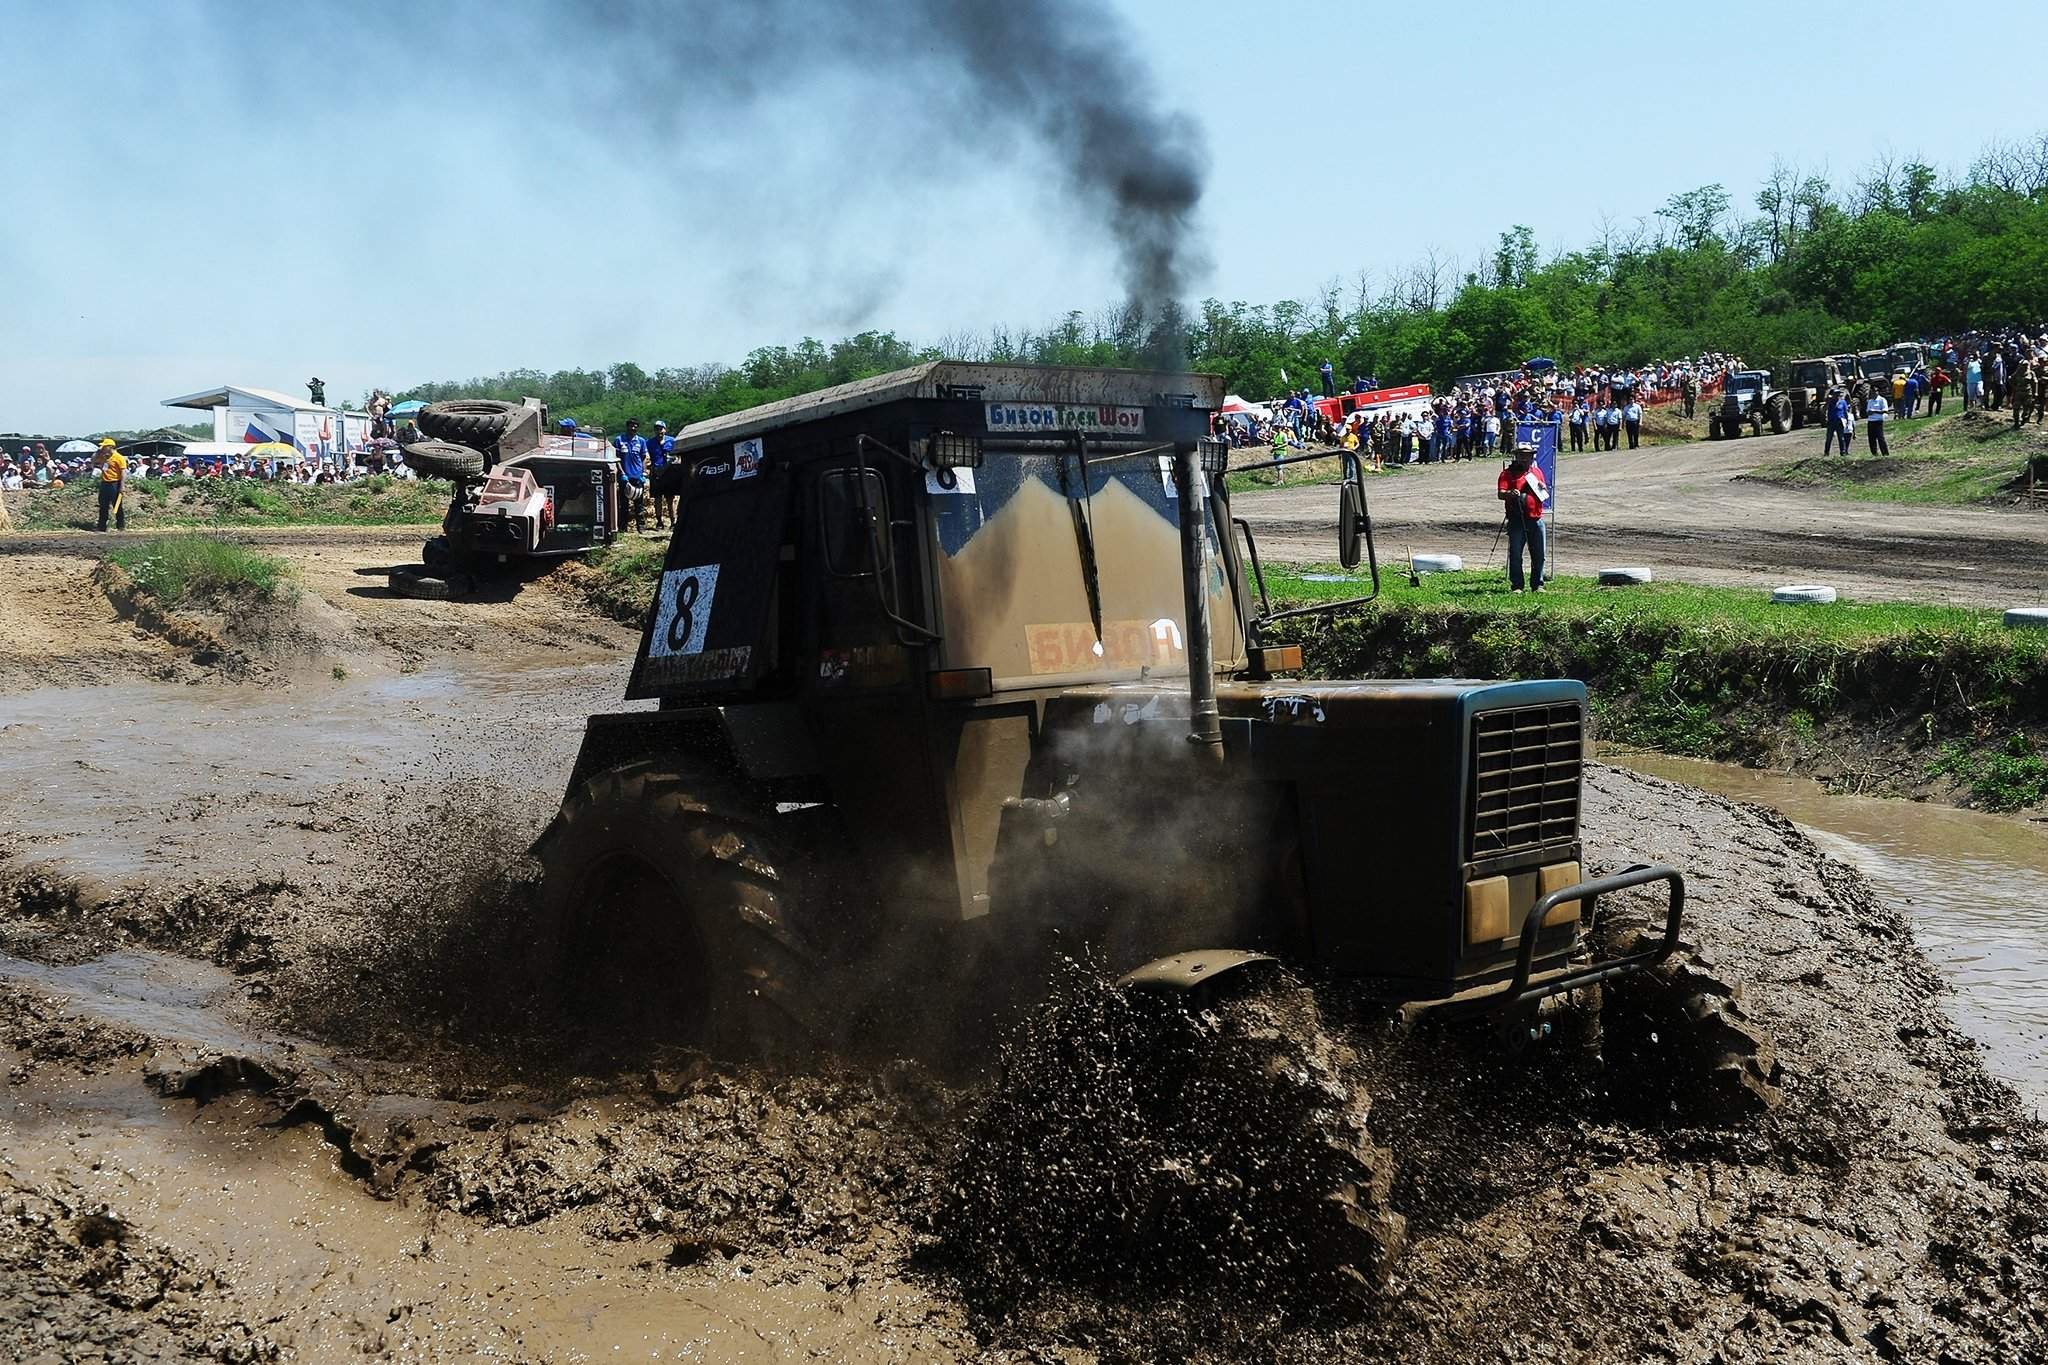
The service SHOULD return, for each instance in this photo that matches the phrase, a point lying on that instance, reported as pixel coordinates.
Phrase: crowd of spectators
(1594, 405)
(34, 466)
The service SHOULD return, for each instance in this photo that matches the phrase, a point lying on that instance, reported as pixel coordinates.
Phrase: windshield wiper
(1079, 506)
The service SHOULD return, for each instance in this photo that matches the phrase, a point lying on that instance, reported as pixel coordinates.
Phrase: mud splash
(1161, 1147)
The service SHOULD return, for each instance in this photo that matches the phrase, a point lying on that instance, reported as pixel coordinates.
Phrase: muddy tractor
(521, 493)
(966, 668)
(1749, 400)
(1813, 386)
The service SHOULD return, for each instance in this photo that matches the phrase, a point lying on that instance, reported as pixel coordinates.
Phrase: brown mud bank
(542, 1199)
(1957, 714)
(69, 618)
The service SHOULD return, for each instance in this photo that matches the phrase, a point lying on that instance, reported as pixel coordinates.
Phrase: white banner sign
(1098, 418)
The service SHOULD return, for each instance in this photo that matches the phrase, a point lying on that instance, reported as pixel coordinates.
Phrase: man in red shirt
(1525, 495)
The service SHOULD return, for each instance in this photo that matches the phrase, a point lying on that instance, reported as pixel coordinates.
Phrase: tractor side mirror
(1350, 523)
(1354, 522)
(853, 509)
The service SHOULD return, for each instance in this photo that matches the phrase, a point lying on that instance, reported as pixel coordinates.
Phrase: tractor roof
(1066, 384)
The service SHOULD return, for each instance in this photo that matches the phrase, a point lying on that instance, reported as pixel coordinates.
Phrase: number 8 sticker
(683, 611)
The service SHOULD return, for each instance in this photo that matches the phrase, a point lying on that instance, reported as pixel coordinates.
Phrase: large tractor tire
(1681, 1030)
(1210, 1142)
(1269, 1092)
(1781, 416)
(663, 915)
(477, 422)
(444, 460)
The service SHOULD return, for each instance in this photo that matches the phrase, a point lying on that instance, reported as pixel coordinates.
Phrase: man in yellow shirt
(113, 472)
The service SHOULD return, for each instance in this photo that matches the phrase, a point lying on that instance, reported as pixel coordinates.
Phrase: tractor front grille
(1525, 779)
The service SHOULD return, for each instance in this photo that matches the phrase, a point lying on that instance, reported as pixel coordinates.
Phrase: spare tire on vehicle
(477, 422)
(444, 460)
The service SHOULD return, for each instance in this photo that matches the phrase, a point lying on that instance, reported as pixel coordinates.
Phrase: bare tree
(1361, 291)
(1777, 200)
(1879, 188)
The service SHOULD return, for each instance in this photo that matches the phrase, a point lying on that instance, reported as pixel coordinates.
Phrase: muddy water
(1977, 886)
(153, 777)
(335, 1272)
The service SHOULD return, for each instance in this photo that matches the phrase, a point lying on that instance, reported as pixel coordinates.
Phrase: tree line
(1812, 268)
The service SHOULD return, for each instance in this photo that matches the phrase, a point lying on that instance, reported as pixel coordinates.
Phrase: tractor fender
(1184, 972)
(758, 742)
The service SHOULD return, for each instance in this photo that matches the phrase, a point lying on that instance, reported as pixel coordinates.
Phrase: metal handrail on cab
(1520, 990)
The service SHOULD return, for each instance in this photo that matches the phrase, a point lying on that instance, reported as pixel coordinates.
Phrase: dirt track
(1682, 511)
(245, 1117)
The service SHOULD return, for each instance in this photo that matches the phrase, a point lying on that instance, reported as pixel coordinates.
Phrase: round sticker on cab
(683, 611)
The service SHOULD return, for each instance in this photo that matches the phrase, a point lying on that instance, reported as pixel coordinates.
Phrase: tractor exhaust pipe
(1205, 731)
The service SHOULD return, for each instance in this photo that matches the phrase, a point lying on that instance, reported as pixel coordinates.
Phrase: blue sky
(257, 193)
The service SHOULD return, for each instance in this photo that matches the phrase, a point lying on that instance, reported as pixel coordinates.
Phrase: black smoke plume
(965, 79)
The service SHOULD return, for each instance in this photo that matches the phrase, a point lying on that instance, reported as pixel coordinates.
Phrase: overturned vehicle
(521, 493)
(969, 667)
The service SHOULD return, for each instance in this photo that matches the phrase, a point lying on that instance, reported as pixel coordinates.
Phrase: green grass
(620, 577)
(182, 569)
(1721, 673)
(1738, 611)
(1956, 459)
(379, 501)
(2012, 775)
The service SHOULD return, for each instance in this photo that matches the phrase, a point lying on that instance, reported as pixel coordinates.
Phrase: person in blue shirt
(1329, 374)
(659, 449)
(631, 448)
(1579, 415)
(1838, 424)
(1632, 418)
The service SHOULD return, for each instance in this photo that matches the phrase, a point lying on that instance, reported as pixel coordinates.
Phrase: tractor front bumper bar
(1523, 991)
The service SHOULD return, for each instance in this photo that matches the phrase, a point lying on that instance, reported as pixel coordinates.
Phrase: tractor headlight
(951, 450)
(1215, 453)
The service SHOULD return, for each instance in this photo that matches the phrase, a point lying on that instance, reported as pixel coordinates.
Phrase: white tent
(242, 414)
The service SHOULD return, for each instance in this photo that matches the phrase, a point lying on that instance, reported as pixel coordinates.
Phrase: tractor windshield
(1877, 366)
(1021, 538)
(1810, 374)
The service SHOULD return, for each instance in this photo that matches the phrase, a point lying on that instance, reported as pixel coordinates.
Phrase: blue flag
(1542, 435)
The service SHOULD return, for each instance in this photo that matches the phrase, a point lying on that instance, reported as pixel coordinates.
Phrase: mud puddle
(1977, 886)
(332, 1273)
(121, 781)
(162, 996)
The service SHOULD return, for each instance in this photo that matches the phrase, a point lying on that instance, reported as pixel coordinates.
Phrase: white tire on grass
(1437, 563)
(2027, 618)
(1622, 577)
(1803, 594)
